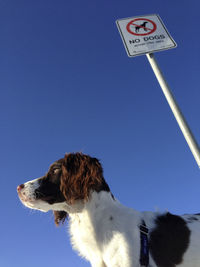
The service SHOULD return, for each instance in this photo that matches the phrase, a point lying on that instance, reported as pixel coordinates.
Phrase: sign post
(145, 35)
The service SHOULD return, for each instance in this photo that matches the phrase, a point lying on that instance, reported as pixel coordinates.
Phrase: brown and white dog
(102, 230)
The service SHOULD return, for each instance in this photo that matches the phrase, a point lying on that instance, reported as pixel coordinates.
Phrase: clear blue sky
(67, 85)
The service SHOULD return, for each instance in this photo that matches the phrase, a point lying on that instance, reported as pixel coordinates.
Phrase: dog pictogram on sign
(141, 27)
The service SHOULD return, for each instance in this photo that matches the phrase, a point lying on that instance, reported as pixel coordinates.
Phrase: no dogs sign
(145, 34)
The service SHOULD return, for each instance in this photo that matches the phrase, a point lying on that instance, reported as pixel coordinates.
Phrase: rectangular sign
(144, 34)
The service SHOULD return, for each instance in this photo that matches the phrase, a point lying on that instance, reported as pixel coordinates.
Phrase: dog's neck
(98, 205)
(96, 200)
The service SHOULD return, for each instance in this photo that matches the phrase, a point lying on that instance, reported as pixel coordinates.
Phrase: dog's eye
(56, 171)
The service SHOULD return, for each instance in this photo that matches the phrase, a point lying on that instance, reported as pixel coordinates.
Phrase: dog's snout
(20, 187)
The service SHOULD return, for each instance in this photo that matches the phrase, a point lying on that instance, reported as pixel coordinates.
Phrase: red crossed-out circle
(137, 23)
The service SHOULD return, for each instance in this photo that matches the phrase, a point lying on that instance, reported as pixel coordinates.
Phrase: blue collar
(144, 245)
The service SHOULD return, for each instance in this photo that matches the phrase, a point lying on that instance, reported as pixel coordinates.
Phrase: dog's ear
(59, 217)
(81, 174)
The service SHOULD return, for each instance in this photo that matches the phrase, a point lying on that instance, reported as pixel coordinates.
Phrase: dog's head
(68, 180)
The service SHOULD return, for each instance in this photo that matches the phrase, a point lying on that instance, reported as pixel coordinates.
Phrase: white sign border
(152, 51)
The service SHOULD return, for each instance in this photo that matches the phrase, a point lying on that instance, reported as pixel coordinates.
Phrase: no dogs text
(147, 38)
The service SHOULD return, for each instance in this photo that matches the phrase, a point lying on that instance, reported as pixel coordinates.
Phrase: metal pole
(175, 109)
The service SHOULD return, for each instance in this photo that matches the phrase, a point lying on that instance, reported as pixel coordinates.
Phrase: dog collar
(144, 244)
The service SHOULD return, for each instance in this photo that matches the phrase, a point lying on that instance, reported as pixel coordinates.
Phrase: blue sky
(67, 85)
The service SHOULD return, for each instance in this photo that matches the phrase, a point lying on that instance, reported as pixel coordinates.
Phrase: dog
(143, 26)
(102, 230)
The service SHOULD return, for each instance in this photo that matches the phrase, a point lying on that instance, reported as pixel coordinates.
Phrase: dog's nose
(20, 187)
